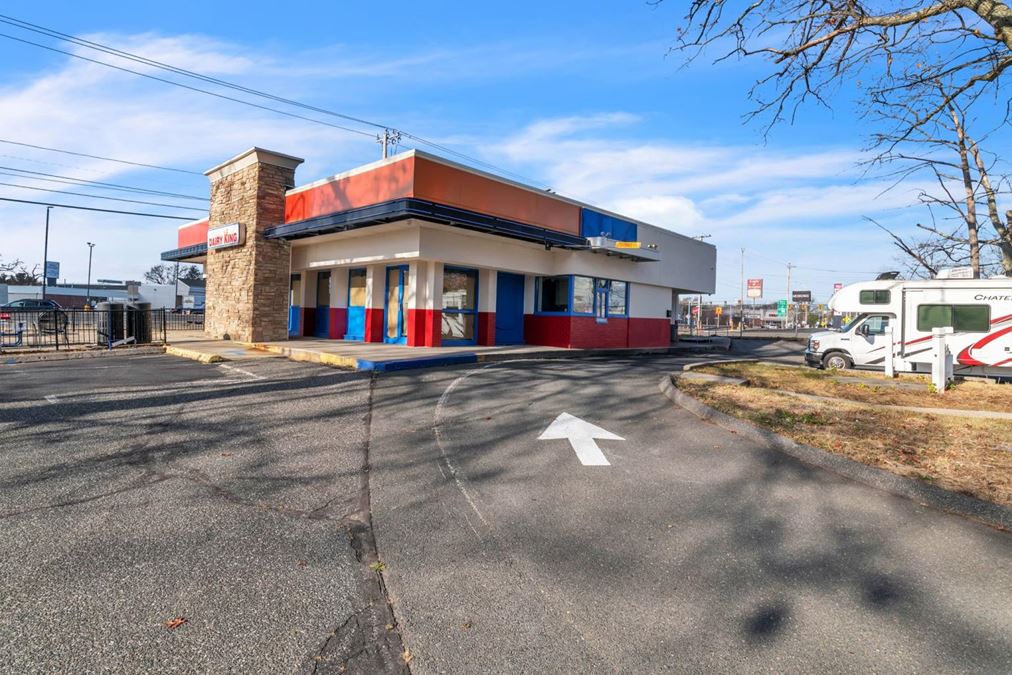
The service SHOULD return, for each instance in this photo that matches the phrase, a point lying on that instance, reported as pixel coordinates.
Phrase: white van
(978, 310)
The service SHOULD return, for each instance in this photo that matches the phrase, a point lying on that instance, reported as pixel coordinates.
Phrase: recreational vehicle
(979, 312)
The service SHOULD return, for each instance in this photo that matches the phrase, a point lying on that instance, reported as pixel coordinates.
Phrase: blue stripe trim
(421, 362)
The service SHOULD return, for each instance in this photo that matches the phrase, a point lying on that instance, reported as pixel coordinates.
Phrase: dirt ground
(972, 456)
(913, 390)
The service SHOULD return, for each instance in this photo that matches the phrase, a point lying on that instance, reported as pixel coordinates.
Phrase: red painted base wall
(338, 323)
(373, 324)
(486, 328)
(584, 332)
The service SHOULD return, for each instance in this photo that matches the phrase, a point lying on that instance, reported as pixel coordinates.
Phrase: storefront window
(583, 295)
(460, 305)
(553, 294)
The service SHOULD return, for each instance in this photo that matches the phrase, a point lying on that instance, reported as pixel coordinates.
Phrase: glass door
(601, 300)
(394, 324)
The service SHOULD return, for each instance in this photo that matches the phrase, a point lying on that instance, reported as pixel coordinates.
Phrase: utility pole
(175, 294)
(790, 303)
(91, 247)
(699, 301)
(45, 254)
(389, 137)
(741, 298)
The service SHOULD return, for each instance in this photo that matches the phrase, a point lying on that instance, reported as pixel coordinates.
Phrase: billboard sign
(781, 308)
(837, 287)
(754, 288)
(801, 296)
(225, 236)
(52, 269)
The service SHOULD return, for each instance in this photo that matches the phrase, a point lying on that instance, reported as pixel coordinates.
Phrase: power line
(92, 208)
(112, 51)
(183, 86)
(104, 159)
(70, 180)
(113, 199)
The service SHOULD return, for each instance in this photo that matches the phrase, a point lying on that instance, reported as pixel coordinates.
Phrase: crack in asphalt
(381, 649)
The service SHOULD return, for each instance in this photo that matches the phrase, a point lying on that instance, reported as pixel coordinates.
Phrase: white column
(487, 289)
(309, 288)
(339, 287)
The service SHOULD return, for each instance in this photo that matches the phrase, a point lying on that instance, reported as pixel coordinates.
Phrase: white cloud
(90, 108)
(798, 205)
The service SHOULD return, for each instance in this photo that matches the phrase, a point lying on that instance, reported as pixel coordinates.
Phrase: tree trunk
(971, 200)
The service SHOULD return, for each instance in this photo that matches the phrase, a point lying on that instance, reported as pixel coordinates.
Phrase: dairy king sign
(225, 236)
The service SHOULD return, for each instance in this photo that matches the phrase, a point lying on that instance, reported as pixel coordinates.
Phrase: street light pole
(91, 247)
(45, 253)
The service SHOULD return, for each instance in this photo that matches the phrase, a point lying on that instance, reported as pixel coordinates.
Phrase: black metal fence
(104, 327)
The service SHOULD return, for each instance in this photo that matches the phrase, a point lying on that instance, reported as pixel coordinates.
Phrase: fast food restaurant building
(422, 251)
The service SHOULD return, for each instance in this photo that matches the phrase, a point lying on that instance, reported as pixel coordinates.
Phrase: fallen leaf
(173, 624)
(377, 566)
(406, 656)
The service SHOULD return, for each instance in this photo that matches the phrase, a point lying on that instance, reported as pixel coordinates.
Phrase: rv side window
(962, 318)
(874, 298)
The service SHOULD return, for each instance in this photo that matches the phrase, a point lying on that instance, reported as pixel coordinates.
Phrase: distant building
(190, 294)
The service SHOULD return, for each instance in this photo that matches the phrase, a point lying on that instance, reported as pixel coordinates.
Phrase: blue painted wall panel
(596, 224)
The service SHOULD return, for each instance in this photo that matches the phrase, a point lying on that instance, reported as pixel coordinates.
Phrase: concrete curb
(308, 355)
(202, 357)
(10, 358)
(925, 494)
(435, 361)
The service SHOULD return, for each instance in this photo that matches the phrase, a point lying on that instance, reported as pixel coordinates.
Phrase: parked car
(31, 304)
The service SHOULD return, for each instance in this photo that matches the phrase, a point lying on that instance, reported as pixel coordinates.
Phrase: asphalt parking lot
(253, 499)
(135, 491)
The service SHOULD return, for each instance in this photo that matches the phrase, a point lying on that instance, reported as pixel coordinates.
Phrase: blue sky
(582, 97)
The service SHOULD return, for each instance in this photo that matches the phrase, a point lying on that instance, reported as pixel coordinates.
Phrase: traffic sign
(718, 310)
(781, 308)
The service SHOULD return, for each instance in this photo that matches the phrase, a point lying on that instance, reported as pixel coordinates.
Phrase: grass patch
(972, 456)
(874, 388)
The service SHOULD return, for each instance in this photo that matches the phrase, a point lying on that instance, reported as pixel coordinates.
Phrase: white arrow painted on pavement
(581, 436)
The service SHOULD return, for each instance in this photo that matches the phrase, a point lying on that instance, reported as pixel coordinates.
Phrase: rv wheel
(836, 361)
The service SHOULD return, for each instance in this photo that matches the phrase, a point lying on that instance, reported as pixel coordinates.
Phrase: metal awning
(190, 254)
(403, 209)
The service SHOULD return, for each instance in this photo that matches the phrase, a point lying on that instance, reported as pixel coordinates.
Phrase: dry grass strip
(971, 456)
(874, 387)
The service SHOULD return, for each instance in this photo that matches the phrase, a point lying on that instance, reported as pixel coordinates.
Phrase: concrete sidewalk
(377, 356)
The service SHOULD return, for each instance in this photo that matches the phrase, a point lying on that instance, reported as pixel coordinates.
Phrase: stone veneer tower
(248, 285)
